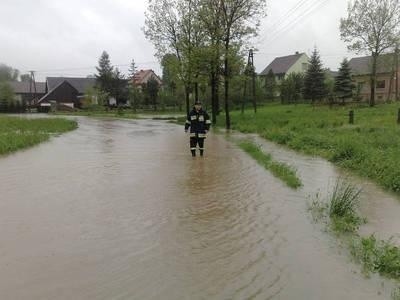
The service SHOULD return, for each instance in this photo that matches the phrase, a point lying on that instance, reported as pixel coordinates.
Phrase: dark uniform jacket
(199, 122)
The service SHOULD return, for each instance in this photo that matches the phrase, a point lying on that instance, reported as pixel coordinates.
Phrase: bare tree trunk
(213, 98)
(187, 100)
(226, 74)
(373, 79)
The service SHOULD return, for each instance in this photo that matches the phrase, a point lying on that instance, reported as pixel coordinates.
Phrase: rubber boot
(193, 153)
(201, 152)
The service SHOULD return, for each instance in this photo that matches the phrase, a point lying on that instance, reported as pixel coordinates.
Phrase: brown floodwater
(119, 210)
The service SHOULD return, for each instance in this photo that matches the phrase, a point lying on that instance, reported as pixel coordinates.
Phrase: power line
(275, 27)
(304, 14)
(285, 17)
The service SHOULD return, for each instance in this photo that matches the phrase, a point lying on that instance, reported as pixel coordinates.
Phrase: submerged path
(119, 210)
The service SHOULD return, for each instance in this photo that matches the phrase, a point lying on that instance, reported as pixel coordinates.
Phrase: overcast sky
(66, 38)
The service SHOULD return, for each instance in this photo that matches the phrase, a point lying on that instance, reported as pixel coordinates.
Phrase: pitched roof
(23, 87)
(363, 65)
(143, 76)
(62, 83)
(81, 84)
(281, 65)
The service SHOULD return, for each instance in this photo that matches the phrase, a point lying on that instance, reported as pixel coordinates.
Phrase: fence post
(398, 117)
(351, 117)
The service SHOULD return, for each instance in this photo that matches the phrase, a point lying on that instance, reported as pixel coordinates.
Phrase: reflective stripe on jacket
(198, 121)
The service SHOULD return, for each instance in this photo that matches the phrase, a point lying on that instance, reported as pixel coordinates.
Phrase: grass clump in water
(281, 170)
(343, 203)
(340, 208)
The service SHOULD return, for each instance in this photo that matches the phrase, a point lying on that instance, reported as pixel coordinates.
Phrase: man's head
(197, 105)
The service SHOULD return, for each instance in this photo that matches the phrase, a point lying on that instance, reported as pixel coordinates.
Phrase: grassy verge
(371, 147)
(280, 170)
(340, 213)
(18, 133)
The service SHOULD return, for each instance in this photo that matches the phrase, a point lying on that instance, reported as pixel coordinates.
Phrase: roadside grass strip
(281, 170)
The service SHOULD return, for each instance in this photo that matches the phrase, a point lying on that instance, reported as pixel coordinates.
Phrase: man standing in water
(199, 122)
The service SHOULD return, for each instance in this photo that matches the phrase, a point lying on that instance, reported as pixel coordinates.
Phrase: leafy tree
(8, 73)
(270, 85)
(371, 26)
(152, 89)
(239, 20)
(314, 81)
(7, 97)
(343, 83)
(291, 88)
(173, 27)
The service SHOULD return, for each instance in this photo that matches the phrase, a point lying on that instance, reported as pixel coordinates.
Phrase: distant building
(25, 92)
(143, 76)
(65, 92)
(361, 68)
(285, 65)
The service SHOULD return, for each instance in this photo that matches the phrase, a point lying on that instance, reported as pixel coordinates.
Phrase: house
(25, 91)
(285, 65)
(64, 92)
(143, 76)
(386, 77)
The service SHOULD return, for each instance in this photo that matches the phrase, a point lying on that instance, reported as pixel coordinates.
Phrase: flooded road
(119, 210)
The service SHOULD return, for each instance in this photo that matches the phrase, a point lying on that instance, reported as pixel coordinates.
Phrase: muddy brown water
(119, 210)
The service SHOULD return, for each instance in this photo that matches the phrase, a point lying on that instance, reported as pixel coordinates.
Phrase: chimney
(297, 53)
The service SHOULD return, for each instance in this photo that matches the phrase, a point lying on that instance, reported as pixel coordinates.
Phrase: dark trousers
(193, 145)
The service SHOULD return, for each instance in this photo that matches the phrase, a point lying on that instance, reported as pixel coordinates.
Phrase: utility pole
(250, 72)
(253, 74)
(32, 90)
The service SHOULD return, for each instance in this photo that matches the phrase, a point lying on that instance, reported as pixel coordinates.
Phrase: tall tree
(270, 85)
(105, 75)
(240, 20)
(343, 83)
(291, 88)
(6, 97)
(371, 26)
(173, 27)
(8, 73)
(314, 80)
(152, 89)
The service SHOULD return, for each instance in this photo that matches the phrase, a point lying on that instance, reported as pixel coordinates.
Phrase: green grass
(377, 256)
(370, 147)
(278, 169)
(340, 213)
(340, 207)
(19, 133)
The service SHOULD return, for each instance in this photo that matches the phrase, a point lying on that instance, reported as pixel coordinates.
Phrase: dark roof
(363, 65)
(50, 92)
(24, 87)
(80, 84)
(281, 65)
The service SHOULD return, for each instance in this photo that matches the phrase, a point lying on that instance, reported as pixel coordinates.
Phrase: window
(380, 84)
(360, 86)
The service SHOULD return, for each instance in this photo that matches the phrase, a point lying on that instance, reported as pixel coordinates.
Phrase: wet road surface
(119, 210)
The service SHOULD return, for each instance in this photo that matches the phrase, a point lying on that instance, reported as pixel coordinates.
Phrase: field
(19, 133)
(370, 147)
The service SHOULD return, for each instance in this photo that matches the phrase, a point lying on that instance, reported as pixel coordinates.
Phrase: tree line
(201, 44)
